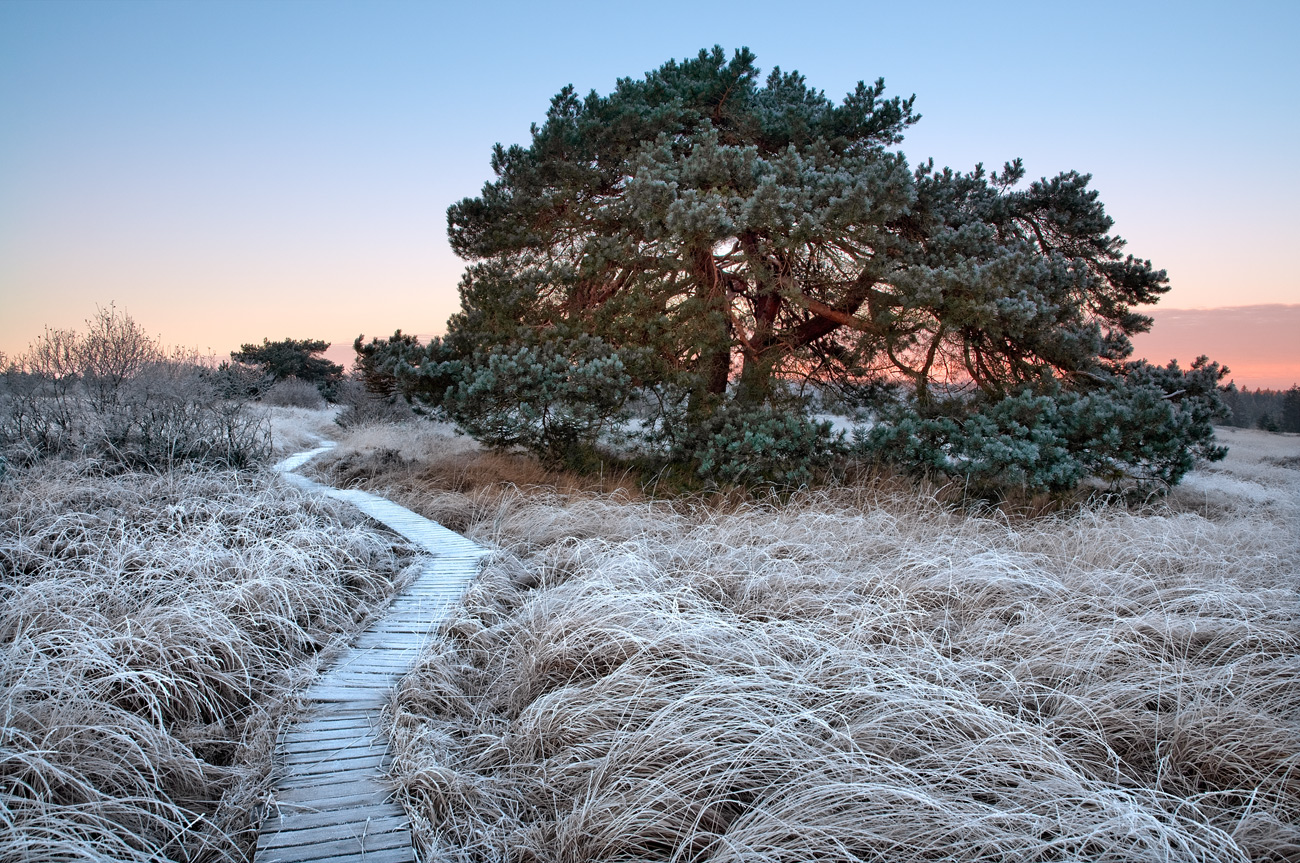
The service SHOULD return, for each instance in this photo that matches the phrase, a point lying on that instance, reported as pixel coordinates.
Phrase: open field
(153, 629)
(862, 673)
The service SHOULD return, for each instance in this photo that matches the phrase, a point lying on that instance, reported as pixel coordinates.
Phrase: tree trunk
(761, 355)
(714, 365)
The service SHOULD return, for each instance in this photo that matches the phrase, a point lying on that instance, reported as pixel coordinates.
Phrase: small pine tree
(1268, 423)
(1291, 409)
(293, 358)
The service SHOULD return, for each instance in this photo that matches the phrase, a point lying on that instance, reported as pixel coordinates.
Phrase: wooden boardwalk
(332, 802)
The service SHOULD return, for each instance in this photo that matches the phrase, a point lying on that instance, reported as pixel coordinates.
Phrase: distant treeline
(1271, 410)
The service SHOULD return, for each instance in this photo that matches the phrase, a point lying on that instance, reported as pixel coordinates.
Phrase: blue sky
(228, 171)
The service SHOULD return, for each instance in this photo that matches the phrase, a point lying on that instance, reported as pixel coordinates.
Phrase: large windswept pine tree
(727, 223)
(725, 233)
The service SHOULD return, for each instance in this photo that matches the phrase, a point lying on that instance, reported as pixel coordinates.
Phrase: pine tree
(1290, 413)
(721, 223)
(722, 234)
(293, 358)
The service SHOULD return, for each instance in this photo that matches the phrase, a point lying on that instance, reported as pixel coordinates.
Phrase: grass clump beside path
(855, 674)
(152, 630)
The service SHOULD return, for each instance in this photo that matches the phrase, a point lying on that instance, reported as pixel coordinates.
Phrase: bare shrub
(362, 407)
(294, 392)
(114, 395)
(857, 674)
(152, 628)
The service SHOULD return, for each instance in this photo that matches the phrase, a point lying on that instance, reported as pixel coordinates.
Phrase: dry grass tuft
(863, 673)
(152, 631)
(451, 478)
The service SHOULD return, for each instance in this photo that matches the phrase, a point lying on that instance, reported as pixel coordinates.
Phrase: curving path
(332, 801)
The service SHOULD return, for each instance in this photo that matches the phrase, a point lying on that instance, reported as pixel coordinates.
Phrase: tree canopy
(723, 224)
(295, 358)
(724, 234)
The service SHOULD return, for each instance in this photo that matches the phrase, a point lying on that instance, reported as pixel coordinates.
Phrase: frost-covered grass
(294, 429)
(862, 673)
(152, 630)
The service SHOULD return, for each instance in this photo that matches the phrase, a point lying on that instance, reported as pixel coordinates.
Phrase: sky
(229, 171)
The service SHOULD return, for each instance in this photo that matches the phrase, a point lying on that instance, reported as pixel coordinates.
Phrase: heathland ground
(154, 627)
(869, 672)
(874, 671)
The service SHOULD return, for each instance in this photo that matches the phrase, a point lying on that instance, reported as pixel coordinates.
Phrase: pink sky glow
(1259, 344)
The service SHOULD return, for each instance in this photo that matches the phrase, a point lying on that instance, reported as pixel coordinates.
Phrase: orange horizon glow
(1257, 343)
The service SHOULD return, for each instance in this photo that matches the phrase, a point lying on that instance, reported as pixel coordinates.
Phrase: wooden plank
(293, 802)
(347, 764)
(340, 720)
(366, 684)
(382, 679)
(370, 826)
(428, 617)
(394, 654)
(352, 699)
(342, 757)
(356, 692)
(361, 676)
(367, 833)
(371, 699)
(304, 750)
(360, 849)
(297, 855)
(382, 641)
(312, 736)
(419, 624)
(332, 801)
(355, 815)
(357, 727)
(326, 778)
(364, 678)
(299, 763)
(325, 826)
(378, 666)
(323, 742)
(346, 711)
(384, 855)
(390, 652)
(390, 669)
(397, 630)
(357, 736)
(283, 808)
(340, 845)
(404, 653)
(309, 773)
(333, 737)
(318, 794)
